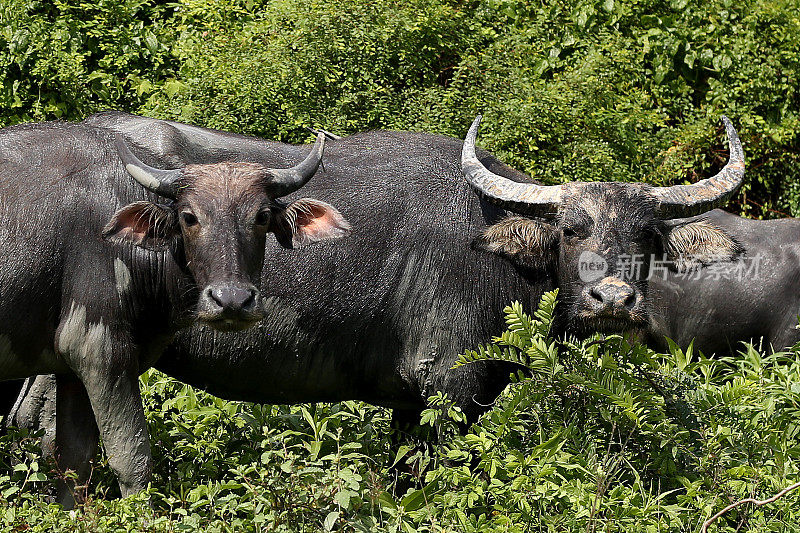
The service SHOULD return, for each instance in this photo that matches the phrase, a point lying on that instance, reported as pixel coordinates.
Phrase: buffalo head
(598, 239)
(219, 217)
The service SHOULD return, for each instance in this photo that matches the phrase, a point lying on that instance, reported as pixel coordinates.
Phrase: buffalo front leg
(405, 422)
(119, 413)
(104, 360)
(76, 440)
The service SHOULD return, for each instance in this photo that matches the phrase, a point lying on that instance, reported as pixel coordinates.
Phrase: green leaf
(418, 498)
(330, 520)
(404, 449)
(173, 87)
(343, 498)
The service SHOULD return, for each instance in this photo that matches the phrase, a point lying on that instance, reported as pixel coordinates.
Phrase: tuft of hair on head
(523, 241)
(700, 243)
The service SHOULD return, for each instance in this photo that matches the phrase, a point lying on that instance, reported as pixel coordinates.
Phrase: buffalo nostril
(231, 297)
(216, 296)
(613, 295)
(630, 301)
(596, 294)
(251, 298)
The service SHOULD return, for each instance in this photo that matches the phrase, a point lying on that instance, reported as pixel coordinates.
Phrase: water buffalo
(753, 297)
(99, 270)
(432, 259)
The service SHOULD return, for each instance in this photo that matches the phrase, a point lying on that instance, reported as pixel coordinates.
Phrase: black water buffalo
(753, 297)
(382, 316)
(97, 273)
(430, 262)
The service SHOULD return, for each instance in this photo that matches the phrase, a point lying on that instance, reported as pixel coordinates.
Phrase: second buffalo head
(599, 240)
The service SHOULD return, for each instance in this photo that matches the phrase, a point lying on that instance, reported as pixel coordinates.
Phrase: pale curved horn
(523, 198)
(288, 180)
(161, 182)
(680, 201)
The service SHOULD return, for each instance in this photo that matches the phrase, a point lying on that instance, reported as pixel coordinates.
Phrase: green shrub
(603, 435)
(591, 90)
(588, 89)
(594, 435)
(65, 59)
(350, 66)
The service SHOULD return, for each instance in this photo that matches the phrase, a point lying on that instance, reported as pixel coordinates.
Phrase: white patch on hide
(80, 339)
(122, 276)
(74, 329)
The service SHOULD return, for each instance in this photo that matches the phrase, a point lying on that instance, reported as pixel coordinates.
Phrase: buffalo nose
(612, 295)
(232, 297)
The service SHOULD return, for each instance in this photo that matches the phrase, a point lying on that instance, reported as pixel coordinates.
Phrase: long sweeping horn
(161, 182)
(288, 180)
(680, 201)
(523, 198)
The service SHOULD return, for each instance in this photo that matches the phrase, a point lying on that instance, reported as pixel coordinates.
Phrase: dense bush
(598, 435)
(587, 89)
(66, 59)
(592, 90)
(603, 435)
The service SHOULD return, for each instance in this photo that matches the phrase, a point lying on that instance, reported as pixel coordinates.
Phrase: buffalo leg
(35, 409)
(104, 359)
(60, 407)
(405, 421)
(63, 408)
(118, 410)
(406, 430)
(76, 440)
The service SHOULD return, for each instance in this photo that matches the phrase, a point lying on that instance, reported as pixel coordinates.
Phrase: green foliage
(595, 435)
(349, 66)
(579, 90)
(65, 59)
(607, 435)
(524, 342)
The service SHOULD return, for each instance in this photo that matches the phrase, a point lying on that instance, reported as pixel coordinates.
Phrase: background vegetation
(583, 89)
(605, 436)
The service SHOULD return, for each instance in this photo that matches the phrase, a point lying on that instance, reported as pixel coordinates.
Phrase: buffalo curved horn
(288, 180)
(522, 198)
(161, 182)
(680, 201)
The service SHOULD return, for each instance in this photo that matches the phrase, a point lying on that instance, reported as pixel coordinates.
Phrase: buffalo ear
(307, 220)
(144, 224)
(699, 243)
(523, 241)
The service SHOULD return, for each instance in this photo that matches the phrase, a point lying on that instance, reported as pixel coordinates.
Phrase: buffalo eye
(648, 235)
(189, 218)
(262, 218)
(570, 233)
